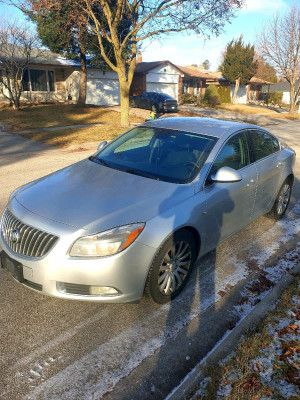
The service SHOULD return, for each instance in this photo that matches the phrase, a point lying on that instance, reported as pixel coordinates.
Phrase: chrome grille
(24, 239)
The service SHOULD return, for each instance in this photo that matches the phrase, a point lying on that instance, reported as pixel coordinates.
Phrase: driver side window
(234, 154)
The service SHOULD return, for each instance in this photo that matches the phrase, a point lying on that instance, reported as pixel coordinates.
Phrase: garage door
(167, 88)
(103, 92)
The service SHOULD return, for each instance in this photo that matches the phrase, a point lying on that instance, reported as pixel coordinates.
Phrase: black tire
(152, 287)
(285, 192)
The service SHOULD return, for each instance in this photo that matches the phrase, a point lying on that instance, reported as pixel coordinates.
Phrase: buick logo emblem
(15, 235)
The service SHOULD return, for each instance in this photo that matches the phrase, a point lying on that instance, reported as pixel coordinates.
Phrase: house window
(37, 80)
(51, 81)
(25, 82)
(185, 86)
(195, 88)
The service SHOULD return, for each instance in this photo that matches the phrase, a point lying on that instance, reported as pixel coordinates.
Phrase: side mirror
(227, 174)
(101, 145)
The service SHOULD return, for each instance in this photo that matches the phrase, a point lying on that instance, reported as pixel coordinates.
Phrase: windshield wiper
(145, 174)
(100, 160)
(130, 171)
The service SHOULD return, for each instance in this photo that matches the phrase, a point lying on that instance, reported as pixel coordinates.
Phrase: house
(157, 76)
(251, 91)
(195, 81)
(53, 78)
(283, 87)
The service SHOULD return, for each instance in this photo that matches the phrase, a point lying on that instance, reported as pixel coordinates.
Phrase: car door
(230, 205)
(151, 101)
(265, 152)
(141, 100)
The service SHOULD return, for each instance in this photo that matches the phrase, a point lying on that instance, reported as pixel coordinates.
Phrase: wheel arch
(195, 234)
(290, 178)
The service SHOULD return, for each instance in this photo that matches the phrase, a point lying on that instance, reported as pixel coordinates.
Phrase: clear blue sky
(183, 50)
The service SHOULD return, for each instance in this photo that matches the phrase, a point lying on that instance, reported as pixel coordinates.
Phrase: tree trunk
(237, 85)
(16, 105)
(83, 73)
(292, 97)
(124, 96)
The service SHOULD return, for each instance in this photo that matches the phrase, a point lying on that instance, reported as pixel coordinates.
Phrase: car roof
(205, 126)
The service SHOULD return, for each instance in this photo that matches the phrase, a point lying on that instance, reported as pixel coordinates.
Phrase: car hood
(91, 196)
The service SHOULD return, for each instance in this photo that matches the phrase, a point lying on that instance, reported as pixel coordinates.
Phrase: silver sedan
(134, 217)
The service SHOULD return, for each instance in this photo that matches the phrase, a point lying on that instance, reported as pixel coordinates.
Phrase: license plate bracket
(12, 266)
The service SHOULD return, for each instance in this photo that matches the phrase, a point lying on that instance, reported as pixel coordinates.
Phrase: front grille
(24, 239)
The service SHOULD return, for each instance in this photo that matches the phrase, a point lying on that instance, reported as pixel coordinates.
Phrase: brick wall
(138, 85)
(179, 89)
(60, 81)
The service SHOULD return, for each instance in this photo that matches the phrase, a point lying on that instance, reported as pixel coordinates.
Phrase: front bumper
(126, 271)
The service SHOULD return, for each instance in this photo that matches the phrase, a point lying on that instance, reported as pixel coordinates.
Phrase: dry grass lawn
(78, 137)
(247, 110)
(52, 115)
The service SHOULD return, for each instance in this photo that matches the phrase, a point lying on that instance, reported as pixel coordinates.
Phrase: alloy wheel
(174, 268)
(283, 199)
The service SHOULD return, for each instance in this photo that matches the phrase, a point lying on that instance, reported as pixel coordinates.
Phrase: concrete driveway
(57, 349)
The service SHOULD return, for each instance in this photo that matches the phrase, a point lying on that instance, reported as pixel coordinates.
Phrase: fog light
(102, 290)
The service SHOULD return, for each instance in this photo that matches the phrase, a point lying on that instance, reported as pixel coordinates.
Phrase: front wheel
(282, 201)
(171, 267)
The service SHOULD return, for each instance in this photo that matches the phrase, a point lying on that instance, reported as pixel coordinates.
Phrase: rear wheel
(282, 201)
(171, 267)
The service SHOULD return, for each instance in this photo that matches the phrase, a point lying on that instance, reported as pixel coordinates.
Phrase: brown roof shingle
(195, 73)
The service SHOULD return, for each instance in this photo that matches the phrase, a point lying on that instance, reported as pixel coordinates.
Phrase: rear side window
(263, 144)
(234, 154)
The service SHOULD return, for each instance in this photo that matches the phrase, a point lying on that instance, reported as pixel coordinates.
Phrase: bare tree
(279, 43)
(18, 47)
(148, 18)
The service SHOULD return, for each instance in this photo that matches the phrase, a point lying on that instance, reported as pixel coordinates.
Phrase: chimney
(139, 58)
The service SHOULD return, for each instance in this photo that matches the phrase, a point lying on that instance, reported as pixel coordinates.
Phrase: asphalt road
(58, 349)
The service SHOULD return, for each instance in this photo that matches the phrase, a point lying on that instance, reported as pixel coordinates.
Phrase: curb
(231, 340)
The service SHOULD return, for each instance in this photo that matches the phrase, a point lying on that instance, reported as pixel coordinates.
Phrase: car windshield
(156, 153)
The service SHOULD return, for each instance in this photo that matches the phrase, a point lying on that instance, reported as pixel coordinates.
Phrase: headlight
(106, 243)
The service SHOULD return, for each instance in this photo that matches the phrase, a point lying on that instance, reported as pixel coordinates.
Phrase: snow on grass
(266, 364)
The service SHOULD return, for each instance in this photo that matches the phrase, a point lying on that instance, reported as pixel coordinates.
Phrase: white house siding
(102, 88)
(241, 96)
(286, 98)
(163, 79)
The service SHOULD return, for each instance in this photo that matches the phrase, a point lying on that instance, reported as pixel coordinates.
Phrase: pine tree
(238, 64)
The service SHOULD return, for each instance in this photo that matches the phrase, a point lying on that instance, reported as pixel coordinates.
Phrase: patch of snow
(224, 391)
(202, 387)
